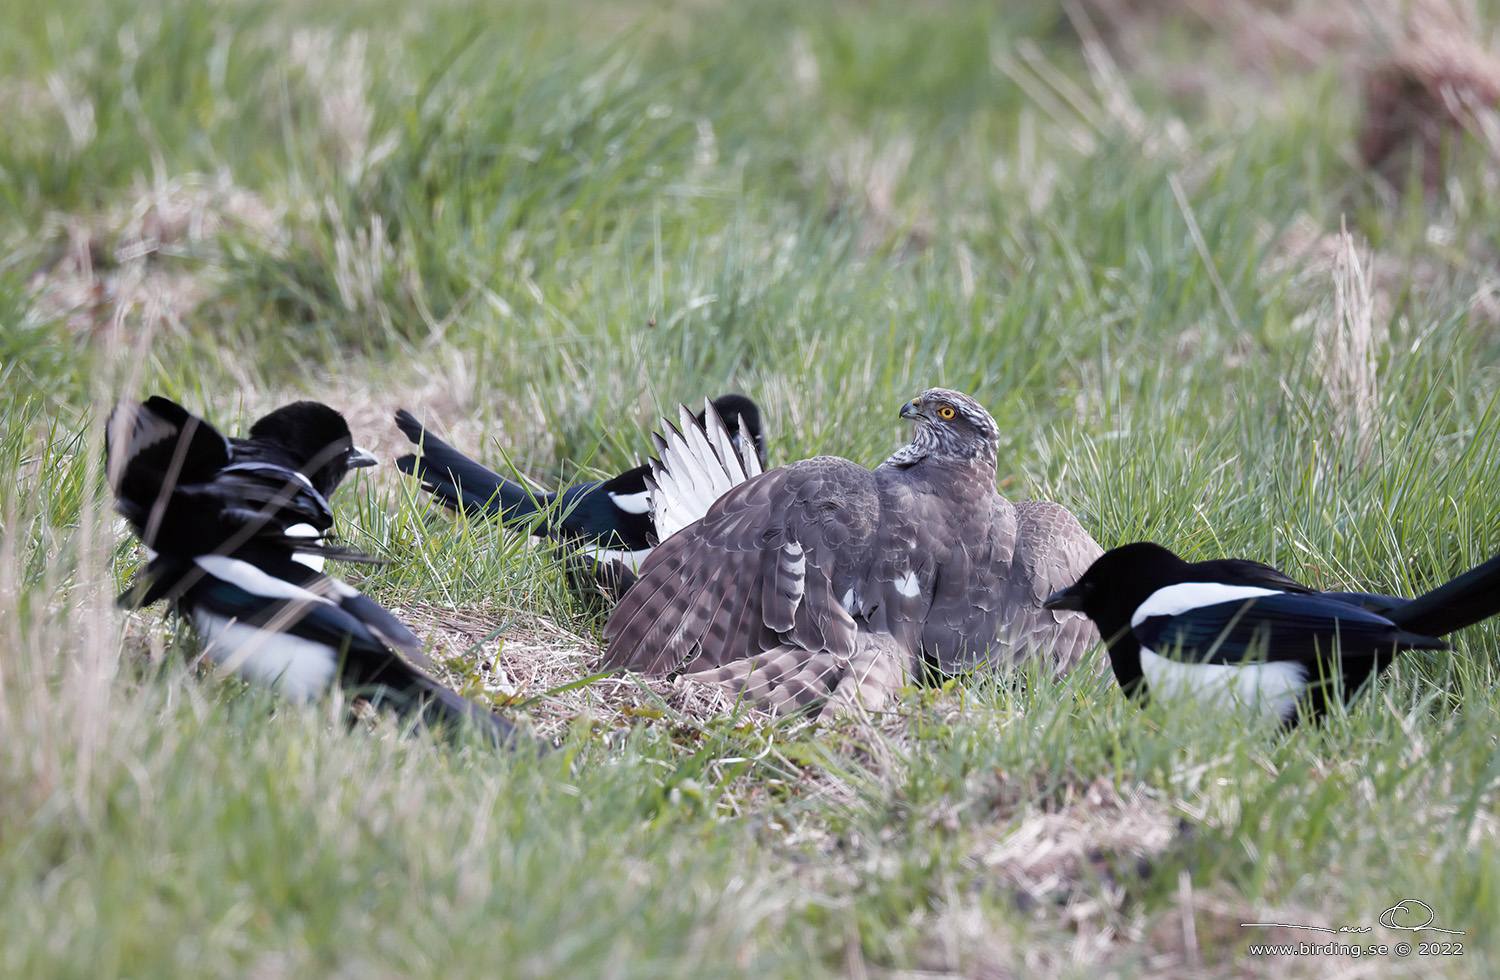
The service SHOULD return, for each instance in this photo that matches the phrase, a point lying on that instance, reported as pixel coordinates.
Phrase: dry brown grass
(1436, 83)
(117, 266)
(1347, 344)
(1424, 72)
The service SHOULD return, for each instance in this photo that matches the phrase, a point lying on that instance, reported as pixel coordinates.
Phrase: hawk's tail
(790, 680)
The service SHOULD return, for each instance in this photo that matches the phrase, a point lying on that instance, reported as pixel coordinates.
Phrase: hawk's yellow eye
(947, 412)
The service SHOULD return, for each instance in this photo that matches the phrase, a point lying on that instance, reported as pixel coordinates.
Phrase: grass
(540, 226)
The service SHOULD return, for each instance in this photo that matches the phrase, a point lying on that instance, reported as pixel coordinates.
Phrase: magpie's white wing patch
(632, 503)
(246, 576)
(1174, 600)
(1270, 688)
(315, 562)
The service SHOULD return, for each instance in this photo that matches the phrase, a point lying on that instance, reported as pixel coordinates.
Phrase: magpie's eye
(946, 412)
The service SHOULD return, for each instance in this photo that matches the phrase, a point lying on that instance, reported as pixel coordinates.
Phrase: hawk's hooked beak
(910, 410)
(359, 458)
(1069, 598)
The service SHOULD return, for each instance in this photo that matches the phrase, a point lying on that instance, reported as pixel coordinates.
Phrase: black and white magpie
(224, 523)
(607, 526)
(1233, 630)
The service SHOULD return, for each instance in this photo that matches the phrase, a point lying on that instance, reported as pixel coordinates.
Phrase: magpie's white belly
(1270, 688)
(298, 668)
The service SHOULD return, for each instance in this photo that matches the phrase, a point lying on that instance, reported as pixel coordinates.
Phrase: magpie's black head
(315, 439)
(1118, 581)
(741, 417)
(1110, 592)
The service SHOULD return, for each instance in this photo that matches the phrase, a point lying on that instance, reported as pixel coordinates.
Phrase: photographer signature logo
(1403, 916)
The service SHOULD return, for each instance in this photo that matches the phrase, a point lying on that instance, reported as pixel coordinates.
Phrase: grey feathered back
(809, 565)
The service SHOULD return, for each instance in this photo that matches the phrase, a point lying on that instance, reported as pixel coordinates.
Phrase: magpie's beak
(359, 458)
(1069, 598)
(910, 410)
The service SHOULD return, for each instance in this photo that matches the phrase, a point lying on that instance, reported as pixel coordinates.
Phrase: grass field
(539, 225)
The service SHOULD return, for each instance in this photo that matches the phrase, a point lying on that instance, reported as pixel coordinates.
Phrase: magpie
(1230, 629)
(607, 526)
(223, 522)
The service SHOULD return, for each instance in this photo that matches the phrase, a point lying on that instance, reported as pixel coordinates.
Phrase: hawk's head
(951, 424)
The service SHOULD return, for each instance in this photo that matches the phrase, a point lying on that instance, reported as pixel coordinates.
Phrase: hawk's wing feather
(767, 558)
(1051, 551)
(658, 615)
(788, 680)
(786, 571)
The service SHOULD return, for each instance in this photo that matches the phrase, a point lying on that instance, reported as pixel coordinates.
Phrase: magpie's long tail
(395, 684)
(442, 708)
(1464, 601)
(457, 481)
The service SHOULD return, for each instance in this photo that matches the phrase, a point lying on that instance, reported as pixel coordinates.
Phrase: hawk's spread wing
(1051, 550)
(760, 569)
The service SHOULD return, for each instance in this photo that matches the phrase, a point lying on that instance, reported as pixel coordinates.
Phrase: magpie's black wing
(242, 504)
(1302, 627)
(1242, 571)
(615, 512)
(175, 482)
(266, 491)
(151, 449)
(1377, 602)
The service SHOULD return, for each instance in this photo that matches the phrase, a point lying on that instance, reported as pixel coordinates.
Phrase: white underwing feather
(695, 466)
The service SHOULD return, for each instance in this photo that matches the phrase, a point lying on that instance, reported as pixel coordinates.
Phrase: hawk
(824, 581)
